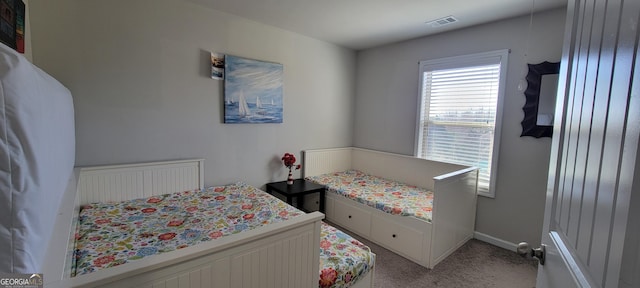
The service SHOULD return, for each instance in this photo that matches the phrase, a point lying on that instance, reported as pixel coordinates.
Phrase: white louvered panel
(280, 266)
(258, 273)
(173, 180)
(307, 257)
(249, 264)
(195, 278)
(236, 274)
(172, 283)
(220, 275)
(293, 265)
(126, 182)
(271, 258)
(114, 186)
(184, 281)
(325, 161)
(263, 263)
(292, 259)
(248, 271)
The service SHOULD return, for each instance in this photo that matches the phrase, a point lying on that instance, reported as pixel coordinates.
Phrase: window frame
(491, 57)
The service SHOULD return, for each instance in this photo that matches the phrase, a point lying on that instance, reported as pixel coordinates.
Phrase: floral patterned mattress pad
(387, 195)
(111, 234)
(343, 259)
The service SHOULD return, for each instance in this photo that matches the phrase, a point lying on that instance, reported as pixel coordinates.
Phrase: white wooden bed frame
(284, 254)
(454, 204)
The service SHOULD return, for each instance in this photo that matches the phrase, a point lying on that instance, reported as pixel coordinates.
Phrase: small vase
(290, 178)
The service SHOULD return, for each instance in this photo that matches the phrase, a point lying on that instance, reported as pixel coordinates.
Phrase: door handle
(524, 249)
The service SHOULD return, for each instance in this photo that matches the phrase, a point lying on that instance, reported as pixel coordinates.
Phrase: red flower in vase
(289, 161)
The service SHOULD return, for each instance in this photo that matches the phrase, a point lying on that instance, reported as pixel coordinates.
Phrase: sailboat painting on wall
(252, 91)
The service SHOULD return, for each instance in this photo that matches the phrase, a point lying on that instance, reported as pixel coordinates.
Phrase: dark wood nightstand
(300, 187)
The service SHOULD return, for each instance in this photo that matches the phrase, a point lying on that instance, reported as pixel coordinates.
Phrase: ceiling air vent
(442, 21)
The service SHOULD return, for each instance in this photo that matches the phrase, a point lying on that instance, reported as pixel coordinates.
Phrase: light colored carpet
(475, 264)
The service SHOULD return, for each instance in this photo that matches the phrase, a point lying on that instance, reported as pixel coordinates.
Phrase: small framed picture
(217, 66)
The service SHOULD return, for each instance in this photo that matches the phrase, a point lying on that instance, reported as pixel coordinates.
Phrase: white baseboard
(495, 241)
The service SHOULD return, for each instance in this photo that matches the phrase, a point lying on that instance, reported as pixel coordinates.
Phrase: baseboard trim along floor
(495, 241)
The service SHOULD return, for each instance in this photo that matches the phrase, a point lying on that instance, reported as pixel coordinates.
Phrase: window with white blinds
(459, 112)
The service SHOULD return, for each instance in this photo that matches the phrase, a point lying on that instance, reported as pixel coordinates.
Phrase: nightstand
(300, 187)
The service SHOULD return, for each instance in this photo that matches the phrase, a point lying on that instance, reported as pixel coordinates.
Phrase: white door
(587, 224)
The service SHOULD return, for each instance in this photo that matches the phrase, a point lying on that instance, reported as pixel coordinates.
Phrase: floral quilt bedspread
(111, 234)
(387, 195)
(343, 259)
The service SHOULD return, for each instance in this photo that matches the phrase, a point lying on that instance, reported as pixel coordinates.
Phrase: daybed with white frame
(426, 243)
(283, 254)
(276, 255)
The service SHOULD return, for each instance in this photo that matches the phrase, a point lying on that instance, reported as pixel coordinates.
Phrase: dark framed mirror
(542, 85)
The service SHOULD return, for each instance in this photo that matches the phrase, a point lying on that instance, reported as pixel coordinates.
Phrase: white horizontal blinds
(459, 116)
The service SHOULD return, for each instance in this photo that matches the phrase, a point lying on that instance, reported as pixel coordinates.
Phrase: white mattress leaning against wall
(37, 155)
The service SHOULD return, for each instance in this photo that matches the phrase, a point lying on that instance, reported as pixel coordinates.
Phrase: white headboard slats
(317, 162)
(132, 181)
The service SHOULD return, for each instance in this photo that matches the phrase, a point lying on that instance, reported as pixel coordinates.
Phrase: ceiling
(360, 24)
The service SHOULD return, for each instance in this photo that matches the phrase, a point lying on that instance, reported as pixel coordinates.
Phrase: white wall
(139, 74)
(386, 108)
